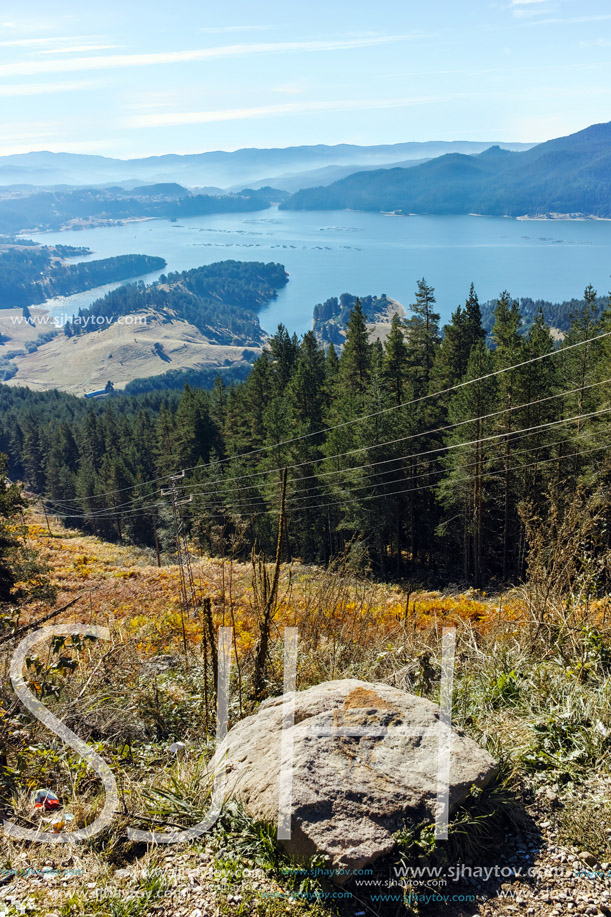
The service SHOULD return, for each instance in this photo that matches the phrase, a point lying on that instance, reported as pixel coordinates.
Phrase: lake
(332, 252)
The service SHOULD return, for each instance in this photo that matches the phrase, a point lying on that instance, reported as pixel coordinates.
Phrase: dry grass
(120, 352)
(539, 696)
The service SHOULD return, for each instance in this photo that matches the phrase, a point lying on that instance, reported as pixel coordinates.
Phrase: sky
(136, 78)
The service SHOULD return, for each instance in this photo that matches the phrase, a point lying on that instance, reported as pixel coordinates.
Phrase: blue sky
(135, 78)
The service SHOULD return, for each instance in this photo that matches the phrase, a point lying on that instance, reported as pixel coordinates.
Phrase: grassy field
(140, 345)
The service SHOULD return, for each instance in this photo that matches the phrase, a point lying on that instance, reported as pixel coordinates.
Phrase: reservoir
(327, 253)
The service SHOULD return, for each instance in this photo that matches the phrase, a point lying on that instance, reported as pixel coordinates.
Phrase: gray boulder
(349, 793)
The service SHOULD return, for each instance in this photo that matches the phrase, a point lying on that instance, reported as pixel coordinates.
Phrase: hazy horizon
(144, 80)
(195, 152)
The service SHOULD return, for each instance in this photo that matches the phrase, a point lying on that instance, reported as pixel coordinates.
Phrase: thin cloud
(531, 9)
(54, 142)
(14, 131)
(220, 30)
(174, 119)
(79, 49)
(530, 13)
(35, 89)
(572, 20)
(289, 88)
(115, 61)
(33, 42)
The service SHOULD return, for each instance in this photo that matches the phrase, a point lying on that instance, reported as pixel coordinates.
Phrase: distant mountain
(220, 169)
(295, 181)
(569, 175)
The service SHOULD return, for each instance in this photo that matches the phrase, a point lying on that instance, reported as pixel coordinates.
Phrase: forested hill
(569, 175)
(428, 455)
(51, 210)
(558, 316)
(331, 317)
(34, 273)
(221, 300)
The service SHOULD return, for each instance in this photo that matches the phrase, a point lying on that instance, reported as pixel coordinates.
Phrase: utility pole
(188, 599)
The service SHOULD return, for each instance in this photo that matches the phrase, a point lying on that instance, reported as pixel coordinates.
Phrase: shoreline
(526, 217)
(563, 218)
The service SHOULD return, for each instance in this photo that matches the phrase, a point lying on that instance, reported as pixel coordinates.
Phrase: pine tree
(306, 389)
(396, 368)
(367, 493)
(195, 432)
(284, 348)
(355, 361)
(165, 433)
(579, 364)
(474, 329)
(218, 402)
(509, 351)
(423, 336)
(33, 457)
(331, 363)
(259, 389)
(464, 490)
(539, 385)
(459, 336)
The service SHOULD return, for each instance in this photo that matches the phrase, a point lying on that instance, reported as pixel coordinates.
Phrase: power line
(420, 399)
(429, 452)
(364, 417)
(468, 478)
(446, 448)
(349, 488)
(411, 436)
(360, 449)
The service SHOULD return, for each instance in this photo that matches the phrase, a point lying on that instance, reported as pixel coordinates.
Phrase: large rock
(349, 794)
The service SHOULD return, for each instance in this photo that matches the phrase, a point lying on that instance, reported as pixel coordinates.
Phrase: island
(331, 317)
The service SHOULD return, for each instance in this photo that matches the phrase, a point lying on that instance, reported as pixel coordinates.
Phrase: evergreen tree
(330, 380)
(464, 490)
(462, 333)
(423, 336)
(579, 365)
(284, 348)
(509, 351)
(355, 361)
(395, 362)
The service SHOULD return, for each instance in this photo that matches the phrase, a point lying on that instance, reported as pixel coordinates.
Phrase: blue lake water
(332, 252)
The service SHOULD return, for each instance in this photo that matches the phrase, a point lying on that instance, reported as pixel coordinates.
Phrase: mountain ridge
(217, 167)
(566, 175)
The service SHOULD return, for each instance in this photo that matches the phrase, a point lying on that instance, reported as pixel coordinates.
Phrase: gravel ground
(532, 873)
